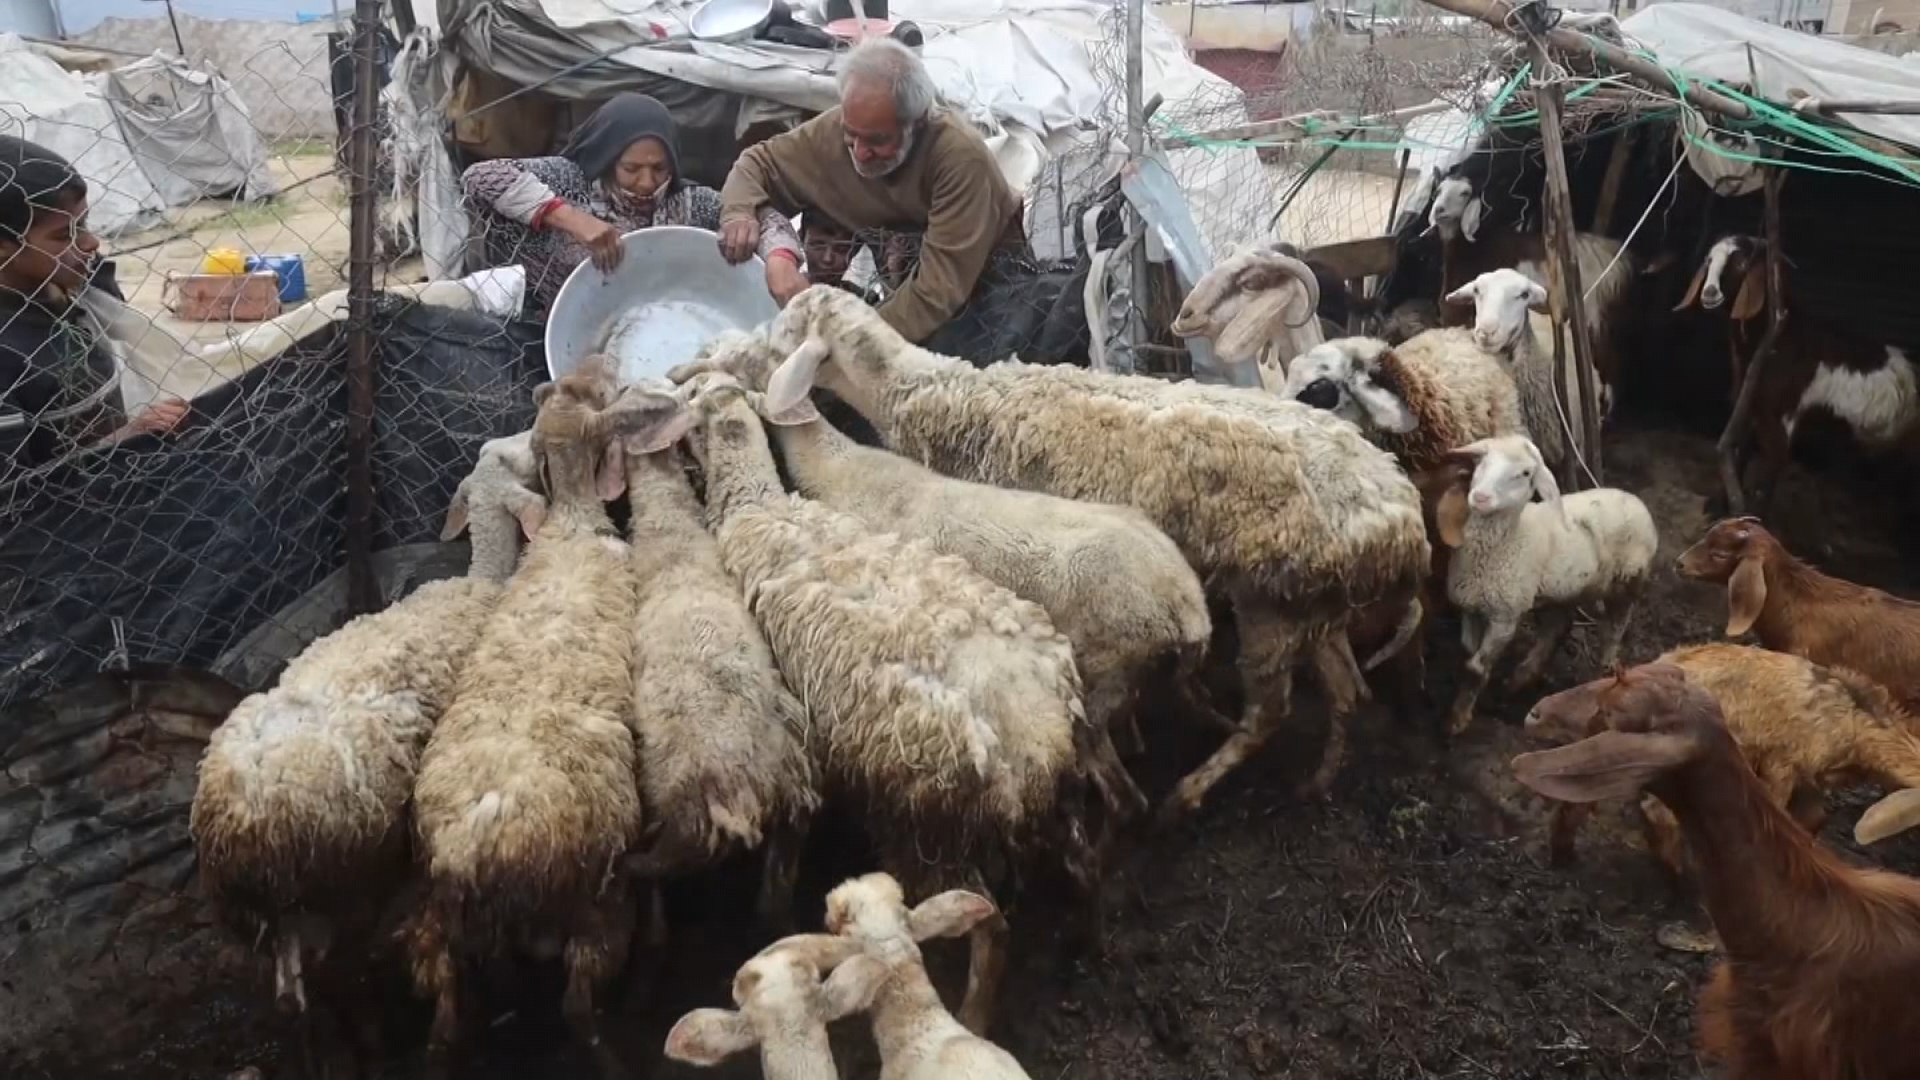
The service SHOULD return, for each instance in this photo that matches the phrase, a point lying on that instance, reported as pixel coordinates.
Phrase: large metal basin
(671, 294)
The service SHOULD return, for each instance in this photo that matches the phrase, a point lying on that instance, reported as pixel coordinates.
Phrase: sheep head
(744, 354)
(1731, 258)
(1357, 379)
(873, 910)
(1733, 552)
(781, 997)
(570, 435)
(1457, 209)
(1508, 471)
(505, 478)
(1501, 299)
(1633, 728)
(1263, 296)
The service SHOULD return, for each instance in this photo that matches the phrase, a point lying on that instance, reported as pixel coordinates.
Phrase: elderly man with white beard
(888, 158)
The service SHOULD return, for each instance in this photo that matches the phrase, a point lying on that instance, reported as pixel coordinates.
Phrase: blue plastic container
(289, 270)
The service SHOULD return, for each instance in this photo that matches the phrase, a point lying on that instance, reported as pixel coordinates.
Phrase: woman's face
(643, 170)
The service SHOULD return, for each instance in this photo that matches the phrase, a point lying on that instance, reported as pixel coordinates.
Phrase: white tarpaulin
(44, 103)
(1706, 42)
(188, 130)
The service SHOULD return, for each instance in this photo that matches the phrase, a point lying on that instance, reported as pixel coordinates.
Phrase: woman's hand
(739, 240)
(784, 279)
(601, 240)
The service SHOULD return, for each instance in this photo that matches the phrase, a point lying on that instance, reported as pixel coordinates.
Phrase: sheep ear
(709, 1036)
(529, 510)
(1746, 595)
(1537, 299)
(542, 392)
(612, 474)
(456, 514)
(664, 431)
(680, 373)
(1470, 219)
(1450, 515)
(1693, 290)
(801, 414)
(949, 914)
(792, 381)
(1610, 765)
(1896, 813)
(1465, 294)
(852, 986)
(1544, 485)
(1385, 409)
(1752, 298)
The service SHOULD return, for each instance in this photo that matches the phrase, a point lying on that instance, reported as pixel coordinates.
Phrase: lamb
(1503, 326)
(1512, 555)
(949, 705)
(526, 796)
(1419, 400)
(1793, 608)
(918, 1038)
(1257, 305)
(1800, 728)
(1114, 584)
(299, 819)
(504, 483)
(1870, 386)
(1285, 507)
(723, 760)
(1821, 957)
(784, 1008)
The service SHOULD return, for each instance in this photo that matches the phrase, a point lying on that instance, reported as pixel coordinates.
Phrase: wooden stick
(1738, 424)
(1908, 107)
(1563, 273)
(1610, 183)
(1289, 128)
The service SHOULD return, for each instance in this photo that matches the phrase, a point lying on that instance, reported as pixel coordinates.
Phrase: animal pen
(1409, 928)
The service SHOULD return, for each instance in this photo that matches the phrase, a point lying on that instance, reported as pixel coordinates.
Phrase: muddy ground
(1409, 929)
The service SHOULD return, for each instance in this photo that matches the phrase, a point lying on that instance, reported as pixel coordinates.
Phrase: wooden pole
(1610, 183)
(1136, 148)
(1563, 274)
(363, 590)
(1732, 439)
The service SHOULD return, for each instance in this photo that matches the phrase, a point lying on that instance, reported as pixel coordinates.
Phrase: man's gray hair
(887, 62)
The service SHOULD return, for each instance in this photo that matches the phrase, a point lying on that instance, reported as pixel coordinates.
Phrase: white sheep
(1112, 582)
(918, 1038)
(722, 753)
(1513, 555)
(300, 817)
(1507, 322)
(1289, 509)
(784, 1008)
(1420, 399)
(949, 706)
(526, 797)
(1257, 305)
(502, 489)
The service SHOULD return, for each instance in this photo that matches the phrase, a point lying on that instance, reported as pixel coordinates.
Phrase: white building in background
(30, 18)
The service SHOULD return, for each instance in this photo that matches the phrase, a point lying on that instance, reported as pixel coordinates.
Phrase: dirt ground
(1408, 929)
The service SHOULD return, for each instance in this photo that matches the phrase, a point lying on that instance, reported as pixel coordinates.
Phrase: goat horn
(1304, 273)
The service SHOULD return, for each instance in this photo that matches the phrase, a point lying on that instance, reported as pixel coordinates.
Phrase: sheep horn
(1304, 274)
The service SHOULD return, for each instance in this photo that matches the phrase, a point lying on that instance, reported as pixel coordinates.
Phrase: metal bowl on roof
(671, 294)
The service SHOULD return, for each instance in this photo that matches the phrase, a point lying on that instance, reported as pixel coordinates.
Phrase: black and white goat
(1871, 386)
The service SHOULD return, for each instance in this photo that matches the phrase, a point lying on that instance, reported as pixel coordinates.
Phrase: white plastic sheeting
(42, 102)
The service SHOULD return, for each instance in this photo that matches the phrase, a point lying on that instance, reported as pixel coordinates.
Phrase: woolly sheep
(500, 498)
(1512, 555)
(950, 705)
(1506, 303)
(1257, 305)
(918, 1038)
(1419, 400)
(1289, 509)
(784, 1008)
(1115, 585)
(722, 753)
(299, 819)
(526, 797)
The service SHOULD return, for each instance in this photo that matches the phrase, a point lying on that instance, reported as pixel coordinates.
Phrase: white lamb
(784, 1008)
(1514, 555)
(918, 1038)
(1508, 320)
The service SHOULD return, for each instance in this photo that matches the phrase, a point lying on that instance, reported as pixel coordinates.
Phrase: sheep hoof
(1178, 807)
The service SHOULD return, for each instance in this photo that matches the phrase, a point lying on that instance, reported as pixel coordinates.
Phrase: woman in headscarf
(59, 387)
(619, 172)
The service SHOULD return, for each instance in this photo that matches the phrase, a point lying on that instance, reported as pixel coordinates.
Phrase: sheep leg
(1497, 635)
(1269, 644)
(595, 952)
(445, 1032)
(1550, 628)
(1661, 833)
(1619, 610)
(1107, 696)
(987, 965)
(1562, 826)
(780, 870)
(1339, 676)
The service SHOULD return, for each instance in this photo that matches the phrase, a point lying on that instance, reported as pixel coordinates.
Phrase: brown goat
(1793, 608)
(1821, 957)
(1800, 727)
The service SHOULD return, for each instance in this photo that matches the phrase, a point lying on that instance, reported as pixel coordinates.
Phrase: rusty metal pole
(363, 590)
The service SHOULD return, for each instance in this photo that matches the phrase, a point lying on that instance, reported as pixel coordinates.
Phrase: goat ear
(1896, 813)
(1610, 765)
(852, 986)
(710, 1036)
(1450, 515)
(612, 474)
(1752, 298)
(1693, 290)
(792, 381)
(949, 914)
(456, 514)
(1471, 217)
(1746, 595)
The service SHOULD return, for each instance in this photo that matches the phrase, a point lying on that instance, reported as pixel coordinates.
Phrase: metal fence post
(1136, 148)
(363, 593)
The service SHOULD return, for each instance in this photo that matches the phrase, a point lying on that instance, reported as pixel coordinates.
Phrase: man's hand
(601, 240)
(784, 280)
(161, 416)
(739, 240)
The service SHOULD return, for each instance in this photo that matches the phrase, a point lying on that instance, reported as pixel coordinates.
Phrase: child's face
(829, 253)
(57, 250)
